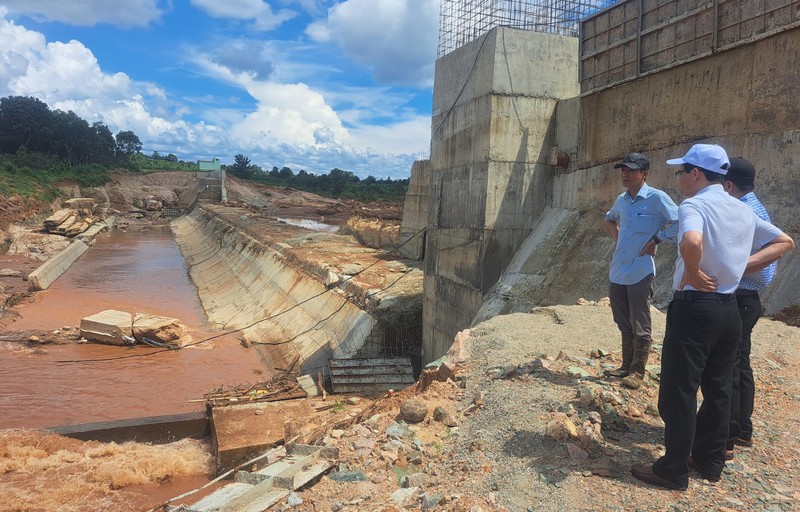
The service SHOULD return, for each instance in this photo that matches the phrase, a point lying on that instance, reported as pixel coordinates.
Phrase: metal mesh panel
(634, 38)
(462, 21)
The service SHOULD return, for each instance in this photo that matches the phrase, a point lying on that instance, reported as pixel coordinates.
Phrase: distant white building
(209, 165)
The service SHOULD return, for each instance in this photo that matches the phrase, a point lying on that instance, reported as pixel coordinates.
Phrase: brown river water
(137, 272)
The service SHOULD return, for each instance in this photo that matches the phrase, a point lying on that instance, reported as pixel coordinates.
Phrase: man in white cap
(639, 219)
(740, 183)
(716, 235)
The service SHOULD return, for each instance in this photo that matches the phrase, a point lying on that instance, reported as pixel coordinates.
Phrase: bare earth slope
(501, 456)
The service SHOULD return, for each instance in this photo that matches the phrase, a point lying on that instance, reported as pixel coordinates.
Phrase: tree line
(28, 124)
(336, 184)
(35, 140)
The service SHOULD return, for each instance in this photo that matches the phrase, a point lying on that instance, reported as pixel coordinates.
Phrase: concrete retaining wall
(244, 284)
(558, 188)
(415, 212)
(493, 129)
(50, 270)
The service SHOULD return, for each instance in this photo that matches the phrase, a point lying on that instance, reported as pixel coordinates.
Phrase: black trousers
(743, 385)
(700, 346)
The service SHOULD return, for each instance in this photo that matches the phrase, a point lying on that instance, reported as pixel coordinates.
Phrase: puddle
(311, 224)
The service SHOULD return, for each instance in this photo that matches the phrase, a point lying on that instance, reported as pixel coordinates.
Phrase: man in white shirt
(716, 234)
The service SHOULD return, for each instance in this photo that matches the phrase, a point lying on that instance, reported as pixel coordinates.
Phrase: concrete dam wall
(521, 168)
(247, 284)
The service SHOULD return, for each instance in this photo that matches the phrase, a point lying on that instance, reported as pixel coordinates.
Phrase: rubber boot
(627, 357)
(641, 353)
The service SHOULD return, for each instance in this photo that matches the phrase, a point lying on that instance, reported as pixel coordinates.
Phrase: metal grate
(463, 21)
(634, 38)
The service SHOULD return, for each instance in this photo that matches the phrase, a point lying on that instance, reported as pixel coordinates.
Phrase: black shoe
(743, 442)
(710, 478)
(646, 474)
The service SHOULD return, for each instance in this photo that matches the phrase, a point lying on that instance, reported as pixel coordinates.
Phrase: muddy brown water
(141, 271)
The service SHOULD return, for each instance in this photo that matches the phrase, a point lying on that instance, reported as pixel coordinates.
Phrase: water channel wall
(50, 270)
(521, 168)
(256, 288)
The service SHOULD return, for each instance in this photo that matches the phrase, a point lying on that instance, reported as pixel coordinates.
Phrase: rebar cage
(462, 21)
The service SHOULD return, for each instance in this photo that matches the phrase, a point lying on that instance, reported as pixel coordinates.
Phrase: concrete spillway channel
(285, 289)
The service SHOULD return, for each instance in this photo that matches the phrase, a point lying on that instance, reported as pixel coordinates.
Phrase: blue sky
(310, 84)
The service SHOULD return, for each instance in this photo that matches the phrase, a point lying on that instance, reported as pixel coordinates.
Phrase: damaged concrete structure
(526, 128)
(289, 290)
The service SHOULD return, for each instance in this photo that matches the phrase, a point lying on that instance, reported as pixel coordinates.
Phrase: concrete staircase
(259, 490)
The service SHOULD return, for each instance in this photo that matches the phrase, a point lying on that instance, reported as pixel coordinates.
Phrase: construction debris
(73, 220)
(281, 387)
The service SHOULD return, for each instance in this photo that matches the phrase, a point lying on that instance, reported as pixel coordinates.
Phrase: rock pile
(72, 220)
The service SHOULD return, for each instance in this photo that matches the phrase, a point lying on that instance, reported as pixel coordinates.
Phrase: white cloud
(396, 38)
(257, 11)
(121, 13)
(291, 124)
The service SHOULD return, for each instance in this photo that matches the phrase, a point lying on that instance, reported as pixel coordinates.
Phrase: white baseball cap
(710, 157)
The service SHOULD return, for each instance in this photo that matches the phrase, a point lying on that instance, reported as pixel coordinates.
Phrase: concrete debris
(107, 327)
(352, 269)
(73, 220)
(160, 329)
(331, 279)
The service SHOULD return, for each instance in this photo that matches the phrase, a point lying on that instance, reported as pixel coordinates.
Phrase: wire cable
(225, 333)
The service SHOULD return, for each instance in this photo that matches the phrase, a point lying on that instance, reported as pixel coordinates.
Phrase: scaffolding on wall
(463, 21)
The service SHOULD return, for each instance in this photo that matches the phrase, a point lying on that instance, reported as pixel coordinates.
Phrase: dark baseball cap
(741, 172)
(635, 161)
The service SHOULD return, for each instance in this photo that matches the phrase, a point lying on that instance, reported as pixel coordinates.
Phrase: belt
(692, 295)
(744, 292)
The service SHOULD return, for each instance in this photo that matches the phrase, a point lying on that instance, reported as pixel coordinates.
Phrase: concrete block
(49, 271)
(107, 327)
(308, 384)
(240, 432)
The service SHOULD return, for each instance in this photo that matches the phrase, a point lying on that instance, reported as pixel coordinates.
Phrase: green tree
(286, 174)
(241, 167)
(128, 144)
(24, 122)
(103, 144)
(71, 136)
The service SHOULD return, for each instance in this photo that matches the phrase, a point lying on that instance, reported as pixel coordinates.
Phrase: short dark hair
(712, 177)
(744, 188)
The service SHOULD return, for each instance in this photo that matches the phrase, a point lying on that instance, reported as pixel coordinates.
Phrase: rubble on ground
(112, 327)
(72, 220)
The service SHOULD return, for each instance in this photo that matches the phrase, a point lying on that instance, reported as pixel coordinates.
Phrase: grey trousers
(630, 307)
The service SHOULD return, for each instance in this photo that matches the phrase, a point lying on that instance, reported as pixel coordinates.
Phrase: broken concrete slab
(240, 432)
(308, 384)
(160, 329)
(107, 327)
